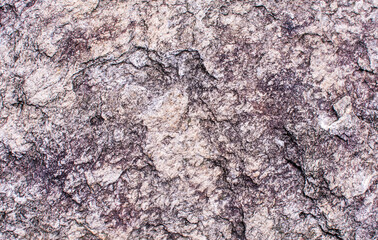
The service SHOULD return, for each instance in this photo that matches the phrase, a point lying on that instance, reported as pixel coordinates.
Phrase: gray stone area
(180, 119)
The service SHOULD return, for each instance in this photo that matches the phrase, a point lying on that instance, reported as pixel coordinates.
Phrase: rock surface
(180, 119)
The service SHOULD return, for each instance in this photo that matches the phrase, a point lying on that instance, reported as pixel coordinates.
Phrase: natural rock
(188, 119)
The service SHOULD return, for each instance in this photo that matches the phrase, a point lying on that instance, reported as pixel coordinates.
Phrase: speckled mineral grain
(181, 119)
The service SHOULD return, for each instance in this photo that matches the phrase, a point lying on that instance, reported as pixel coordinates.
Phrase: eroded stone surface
(188, 119)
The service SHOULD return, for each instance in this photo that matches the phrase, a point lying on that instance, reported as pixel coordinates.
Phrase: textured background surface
(188, 119)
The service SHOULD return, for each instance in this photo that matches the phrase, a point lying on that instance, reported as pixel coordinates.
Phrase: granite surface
(181, 119)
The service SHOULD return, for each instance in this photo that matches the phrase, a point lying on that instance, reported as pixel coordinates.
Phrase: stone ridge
(180, 119)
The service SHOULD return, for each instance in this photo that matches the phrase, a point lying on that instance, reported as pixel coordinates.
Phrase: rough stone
(184, 119)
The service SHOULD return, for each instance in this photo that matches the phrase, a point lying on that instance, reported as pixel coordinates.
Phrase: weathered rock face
(188, 119)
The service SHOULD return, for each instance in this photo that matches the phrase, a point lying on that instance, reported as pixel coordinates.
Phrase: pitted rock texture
(179, 119)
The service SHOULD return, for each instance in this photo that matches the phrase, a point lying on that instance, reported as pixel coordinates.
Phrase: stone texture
(183, 119)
